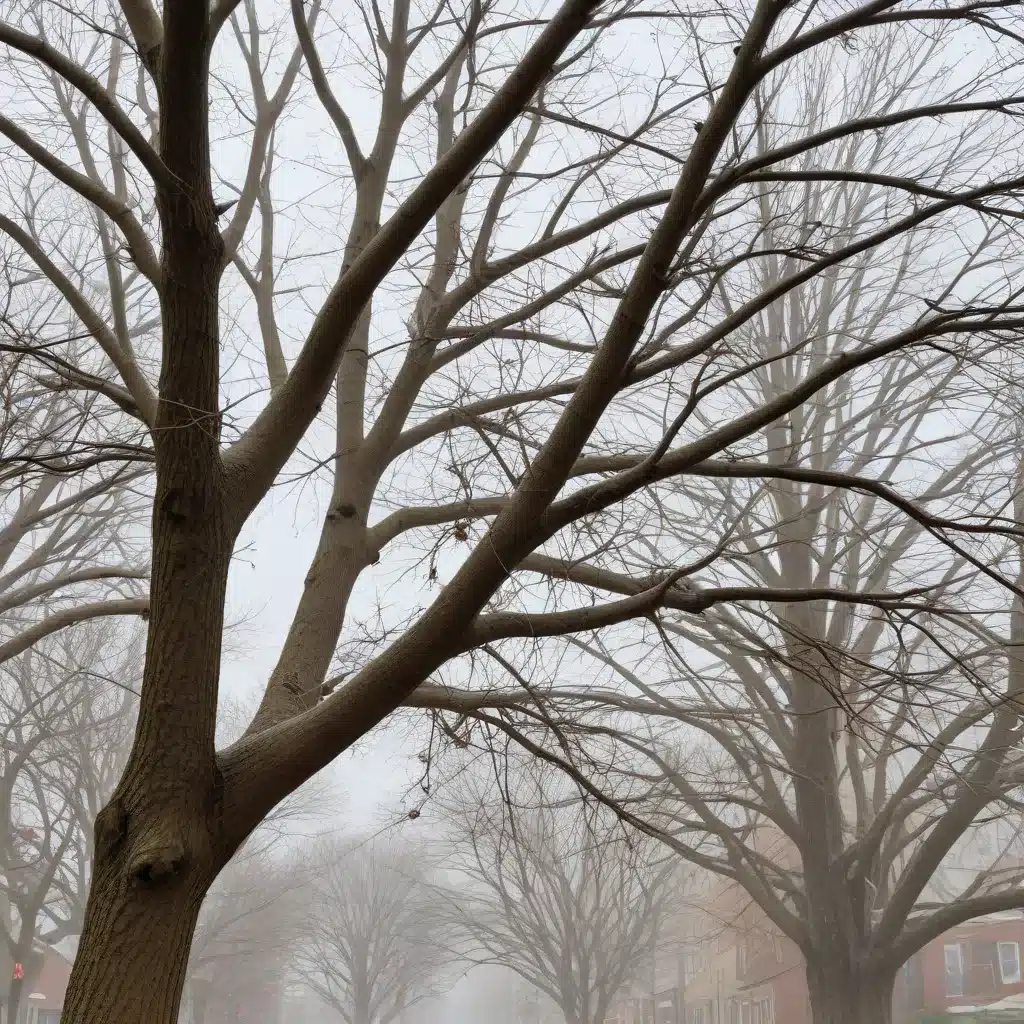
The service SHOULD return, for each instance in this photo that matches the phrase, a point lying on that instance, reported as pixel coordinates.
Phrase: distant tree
(249, 931)
(500, 996)
(558, 892)
(256, 912)
(374, 943)
(67, 707)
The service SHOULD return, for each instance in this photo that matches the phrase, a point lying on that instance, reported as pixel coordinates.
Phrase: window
(760, 1011)
(954, 958)
(49, 1017)
(1009, 963)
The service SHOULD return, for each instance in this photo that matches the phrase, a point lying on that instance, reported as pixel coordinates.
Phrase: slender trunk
(342, 553)
(31, 966)
(841, 996)
(361, 1011)
(14, 999)
(200, 1001)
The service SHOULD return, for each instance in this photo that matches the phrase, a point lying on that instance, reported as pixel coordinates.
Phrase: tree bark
(840, 996)
(159, 842)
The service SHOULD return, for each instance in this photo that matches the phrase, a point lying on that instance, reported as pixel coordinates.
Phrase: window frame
(958, 946)
(1014, 978)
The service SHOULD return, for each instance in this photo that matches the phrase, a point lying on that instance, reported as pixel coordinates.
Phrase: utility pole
(654, 969)
(681, 982)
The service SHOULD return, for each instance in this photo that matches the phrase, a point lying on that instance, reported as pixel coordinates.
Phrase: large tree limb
(743, 469)
(12, 599)
(698, 599)
(917, 934)
(317, 75)
(146, 29)
(407, 519)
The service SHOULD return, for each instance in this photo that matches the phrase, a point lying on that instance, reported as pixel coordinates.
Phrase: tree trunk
(32, 964)
(840, 997)
(133, 953)
(200, 1000)
(14, 999)
(160, 841)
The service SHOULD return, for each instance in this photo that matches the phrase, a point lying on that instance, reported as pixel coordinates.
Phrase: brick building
(731, 966)
(974, 965)
(43, 997)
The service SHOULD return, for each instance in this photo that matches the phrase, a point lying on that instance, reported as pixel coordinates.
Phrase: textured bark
(158, 843)
(850, 996)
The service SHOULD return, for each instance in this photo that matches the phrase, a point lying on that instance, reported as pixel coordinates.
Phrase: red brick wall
(933, 965)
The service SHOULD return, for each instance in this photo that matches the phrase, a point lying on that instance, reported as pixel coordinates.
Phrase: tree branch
(255, 459)
(70, 617)
(93, 90)
(139, 246)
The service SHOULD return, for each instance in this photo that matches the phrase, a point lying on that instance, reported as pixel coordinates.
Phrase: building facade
(734, 967)
(976, 964)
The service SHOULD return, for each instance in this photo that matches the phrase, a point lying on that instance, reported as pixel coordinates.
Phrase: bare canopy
(558, 254)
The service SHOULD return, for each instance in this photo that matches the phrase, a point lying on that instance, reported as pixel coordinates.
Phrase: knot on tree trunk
(153, 854)
(156, 858)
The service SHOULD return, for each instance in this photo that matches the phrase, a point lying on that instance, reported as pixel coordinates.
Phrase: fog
(511, 512)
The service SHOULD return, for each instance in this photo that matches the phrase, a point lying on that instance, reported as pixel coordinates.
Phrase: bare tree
(562, 256)
(255, 914)
(558, 892)
(70, 493)
(66, 735)
(501, 996)
(249, 930)
(372, 947)
(844, 655)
